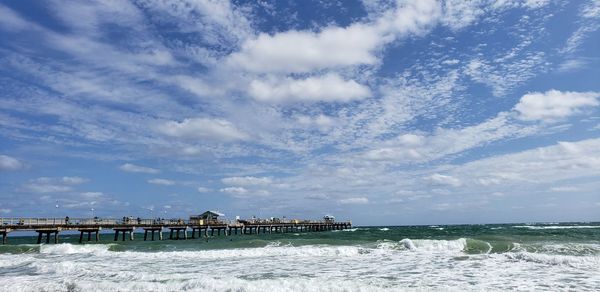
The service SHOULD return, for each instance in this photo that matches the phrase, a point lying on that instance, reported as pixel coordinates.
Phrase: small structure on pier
(208, 217)
(328, 219)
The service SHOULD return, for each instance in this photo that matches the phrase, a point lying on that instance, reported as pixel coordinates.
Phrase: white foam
(350, 229)
(388, 265)
(384, 229)
(67, 248)
(549, 259)
(434, 245)
(536, 227)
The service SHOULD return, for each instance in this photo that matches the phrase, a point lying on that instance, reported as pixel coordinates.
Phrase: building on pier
(206, 218)
(329, 219)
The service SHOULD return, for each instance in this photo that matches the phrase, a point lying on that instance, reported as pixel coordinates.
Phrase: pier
(204, 225)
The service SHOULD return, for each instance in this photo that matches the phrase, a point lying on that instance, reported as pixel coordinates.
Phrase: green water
(489, 238)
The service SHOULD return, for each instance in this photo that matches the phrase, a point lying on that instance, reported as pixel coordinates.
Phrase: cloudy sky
(382, 112)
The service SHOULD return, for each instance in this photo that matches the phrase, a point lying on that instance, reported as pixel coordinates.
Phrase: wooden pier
(49, 228)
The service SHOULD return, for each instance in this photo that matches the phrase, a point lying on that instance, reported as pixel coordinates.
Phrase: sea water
(526, 257)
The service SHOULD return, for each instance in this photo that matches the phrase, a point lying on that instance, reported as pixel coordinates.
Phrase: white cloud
(202, 128)
(330, 87)
(161, 181)
(564, 189)
(262, 193)
(571, 65)
(10, 163)
(588, 25)
(247, 181)
(137, 168)
(92, 195)
(392, 154)
(591, 10)
(554, 105)
(440, 179)
(411, 17)
(11, 21)
(234, 190)
(335, 47)
(521, 172)
(354, 201)
(44, 185)
(304, 51)
(450, 62)
(405, 147)
(74, 180)
(203, 190)
(322, 122)
(459, 14)
(319, 197)
(243, 193)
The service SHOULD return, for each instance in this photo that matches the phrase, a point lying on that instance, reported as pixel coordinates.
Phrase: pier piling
(152, 230)
(123, 231)
(4, 233)
(48, 234)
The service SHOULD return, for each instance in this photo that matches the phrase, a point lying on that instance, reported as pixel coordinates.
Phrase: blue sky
(382, 112)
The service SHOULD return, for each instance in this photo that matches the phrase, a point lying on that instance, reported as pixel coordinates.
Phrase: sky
(380, 112)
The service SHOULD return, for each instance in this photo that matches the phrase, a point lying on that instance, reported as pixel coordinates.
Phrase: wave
(272, 249)
(384, 229)
(430, 245)
(465, 246)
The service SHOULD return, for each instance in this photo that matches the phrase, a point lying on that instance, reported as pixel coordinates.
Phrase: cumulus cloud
(203, 128)
(247, 181)
(335, 47)
(354, 201)
(161, 181)
(10, 163)
(303, 51)
(554, 105)
(137, 168)
(330, 87)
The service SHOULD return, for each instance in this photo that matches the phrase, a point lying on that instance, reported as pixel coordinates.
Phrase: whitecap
(537, 227)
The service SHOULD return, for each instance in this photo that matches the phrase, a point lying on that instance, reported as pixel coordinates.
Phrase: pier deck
(46, 227)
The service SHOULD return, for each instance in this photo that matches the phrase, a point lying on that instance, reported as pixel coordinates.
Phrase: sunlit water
(449, 258)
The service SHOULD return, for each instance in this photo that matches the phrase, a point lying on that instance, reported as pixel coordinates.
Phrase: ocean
(499, 257)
